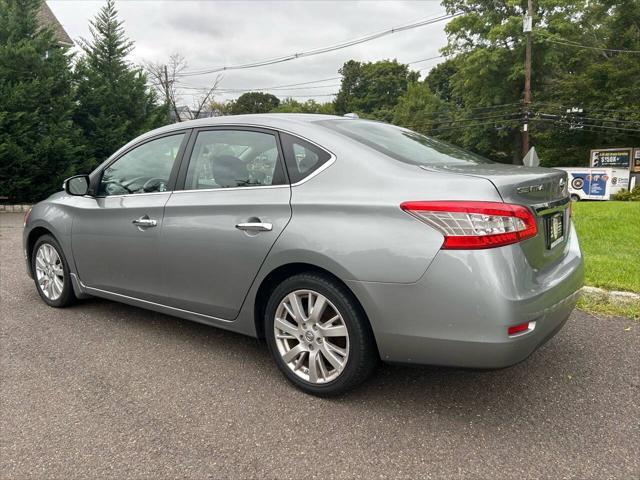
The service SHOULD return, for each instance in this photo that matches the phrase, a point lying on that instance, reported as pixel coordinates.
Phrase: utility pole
(527, 28)
(166, 92)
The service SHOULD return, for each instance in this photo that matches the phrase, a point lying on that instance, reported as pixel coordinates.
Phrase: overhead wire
(321, 50)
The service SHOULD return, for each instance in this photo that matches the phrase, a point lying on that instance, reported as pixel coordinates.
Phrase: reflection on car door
(115, 235)
(219, 229)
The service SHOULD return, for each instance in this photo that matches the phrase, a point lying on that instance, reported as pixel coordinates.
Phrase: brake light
(523, 327)
(474, 225)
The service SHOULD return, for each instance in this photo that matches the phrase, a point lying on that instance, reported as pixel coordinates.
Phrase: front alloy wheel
(51, 272)
(319, 335)
(311, 336)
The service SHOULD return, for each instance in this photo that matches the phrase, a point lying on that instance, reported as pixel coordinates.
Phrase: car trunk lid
(543, 190)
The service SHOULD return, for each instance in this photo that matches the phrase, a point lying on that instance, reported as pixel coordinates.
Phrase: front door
(115, 235)
(219, 229)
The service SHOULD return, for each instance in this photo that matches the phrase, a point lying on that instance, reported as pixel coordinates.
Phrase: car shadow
(416, 388)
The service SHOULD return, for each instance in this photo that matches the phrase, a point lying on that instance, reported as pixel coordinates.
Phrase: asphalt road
(103, 390)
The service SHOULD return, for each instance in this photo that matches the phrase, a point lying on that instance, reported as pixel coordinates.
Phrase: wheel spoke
(334, 348)
(293, 353)
(39, 261)
(300, 361)
(331, 357)
(318, 309)
(285, 326)
(337, 331)
(57, 286)
(57, 269)
(330, 321)
(297, 312)
(313, 366)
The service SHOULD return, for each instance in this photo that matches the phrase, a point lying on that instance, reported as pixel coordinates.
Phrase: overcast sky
(217, 33)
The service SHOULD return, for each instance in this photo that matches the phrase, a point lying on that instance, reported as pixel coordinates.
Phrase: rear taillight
(472, 225)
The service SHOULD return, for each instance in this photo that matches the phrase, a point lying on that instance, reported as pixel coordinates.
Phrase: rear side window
(302, 158)
(234, 158)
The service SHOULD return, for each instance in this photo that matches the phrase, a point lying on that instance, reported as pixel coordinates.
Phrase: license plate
(555, 229)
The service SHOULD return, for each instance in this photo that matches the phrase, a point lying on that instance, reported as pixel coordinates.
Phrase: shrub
(628, 196)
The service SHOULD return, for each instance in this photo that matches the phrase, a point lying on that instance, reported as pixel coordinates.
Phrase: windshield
(402, 144)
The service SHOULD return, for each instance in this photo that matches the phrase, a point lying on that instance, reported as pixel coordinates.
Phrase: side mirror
(77, 185)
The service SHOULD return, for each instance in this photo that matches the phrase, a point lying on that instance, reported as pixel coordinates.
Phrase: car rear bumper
(458, 313)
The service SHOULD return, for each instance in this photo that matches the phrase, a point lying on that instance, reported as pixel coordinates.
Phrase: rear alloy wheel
(51, 273)
(311, 336)
(318, 335)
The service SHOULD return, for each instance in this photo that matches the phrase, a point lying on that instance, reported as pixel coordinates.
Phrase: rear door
(220, 227)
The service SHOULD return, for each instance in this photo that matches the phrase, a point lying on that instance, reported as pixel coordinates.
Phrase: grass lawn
(609, 234)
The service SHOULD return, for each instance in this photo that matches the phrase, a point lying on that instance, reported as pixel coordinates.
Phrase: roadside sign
(636, 161)
(611, 158)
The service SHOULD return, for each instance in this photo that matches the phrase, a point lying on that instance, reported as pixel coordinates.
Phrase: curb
(611, 296)
(14, 208)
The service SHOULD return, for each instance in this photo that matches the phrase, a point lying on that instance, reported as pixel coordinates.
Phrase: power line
(578, 45)
(318, 51)
(590, 109)
(283, 87)
(575, 124)
(578, 117)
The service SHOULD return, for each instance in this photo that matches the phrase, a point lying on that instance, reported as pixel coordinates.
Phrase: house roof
(46, 18)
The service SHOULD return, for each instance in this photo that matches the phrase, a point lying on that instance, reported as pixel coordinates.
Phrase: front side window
(145, 169)
(234, 158)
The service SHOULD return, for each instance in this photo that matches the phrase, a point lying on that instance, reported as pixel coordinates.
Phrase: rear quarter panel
(348, 220)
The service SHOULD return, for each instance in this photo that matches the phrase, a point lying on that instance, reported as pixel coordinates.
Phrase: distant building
(46, 18)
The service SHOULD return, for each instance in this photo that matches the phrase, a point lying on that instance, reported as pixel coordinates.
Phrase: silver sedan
(340, 241)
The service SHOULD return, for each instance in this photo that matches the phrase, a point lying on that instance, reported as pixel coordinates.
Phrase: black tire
(575, 198)
(67, 296)
(363, 355)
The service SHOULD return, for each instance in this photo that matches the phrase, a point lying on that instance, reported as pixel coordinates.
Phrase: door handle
(145, 222)
(255, 227)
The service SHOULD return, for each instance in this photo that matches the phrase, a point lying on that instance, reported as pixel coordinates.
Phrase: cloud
(216, 33)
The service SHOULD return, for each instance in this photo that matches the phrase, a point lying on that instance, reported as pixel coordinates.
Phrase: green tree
(420, 110)
(373, 88)
(290, 105)
(114, 104)
(488, 83)
(254, 102)
(38, 141)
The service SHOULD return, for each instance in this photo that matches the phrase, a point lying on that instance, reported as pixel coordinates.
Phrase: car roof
(273, 120)
(296, 123)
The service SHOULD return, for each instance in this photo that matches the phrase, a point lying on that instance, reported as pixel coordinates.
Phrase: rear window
(402, 144)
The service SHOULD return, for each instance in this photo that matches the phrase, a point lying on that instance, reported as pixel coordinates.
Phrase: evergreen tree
(38, 142)
(114, 104)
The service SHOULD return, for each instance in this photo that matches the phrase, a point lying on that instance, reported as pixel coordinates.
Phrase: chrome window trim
(327, 164)
(129, 195)
(228, 189)
(317, 171)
